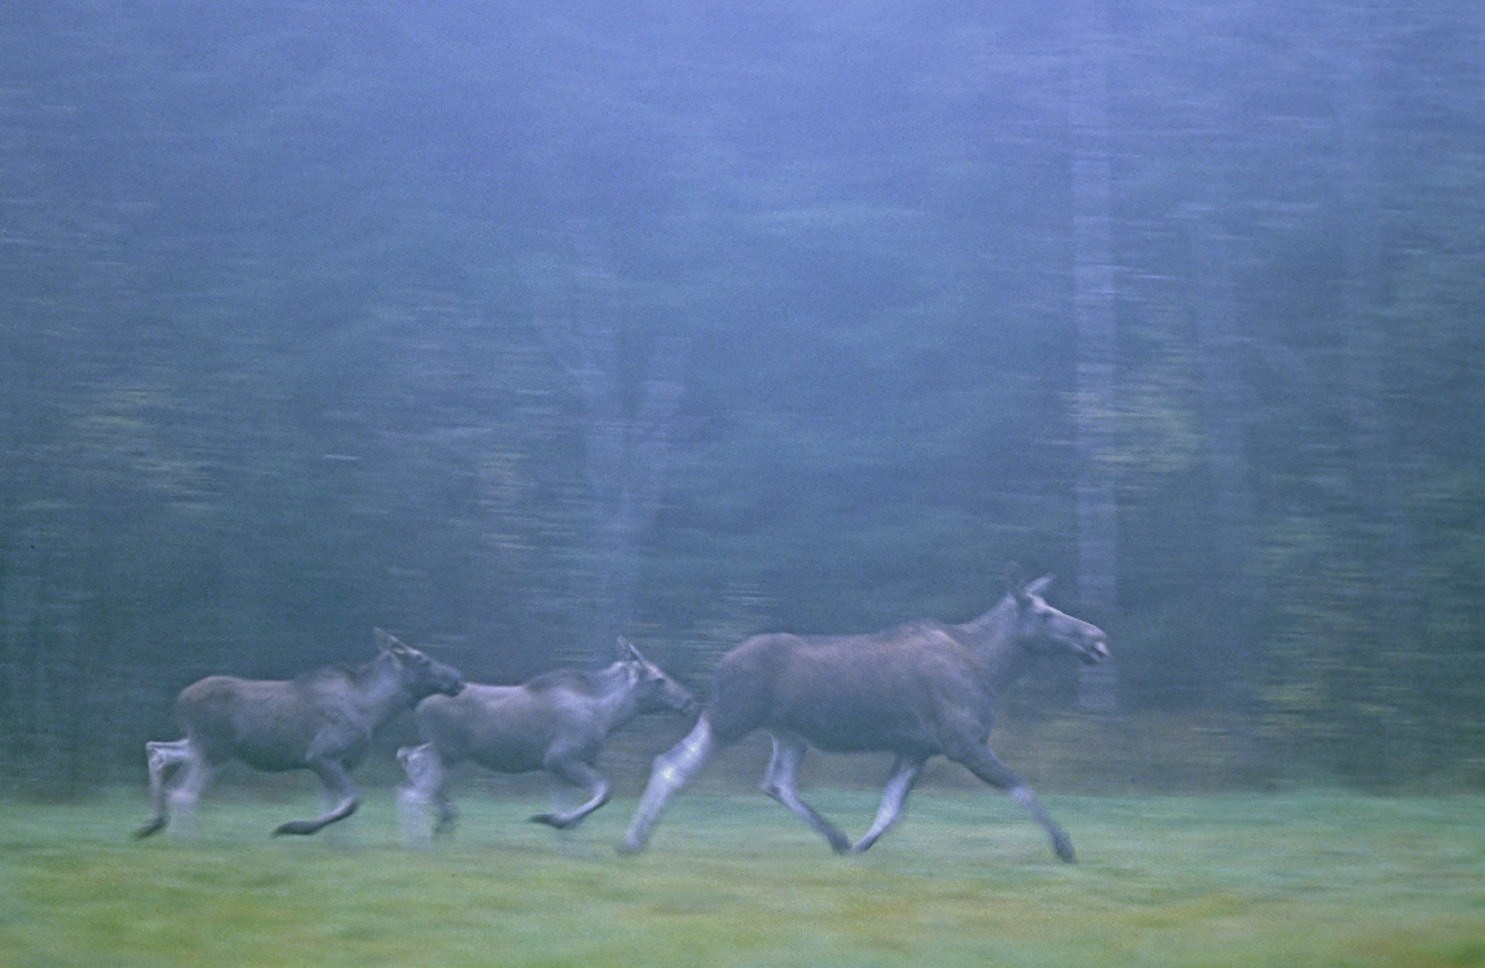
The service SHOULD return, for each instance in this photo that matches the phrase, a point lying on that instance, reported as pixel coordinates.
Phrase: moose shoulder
(918, 690)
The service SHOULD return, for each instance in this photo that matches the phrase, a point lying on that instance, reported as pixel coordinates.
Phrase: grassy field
(1251, 880)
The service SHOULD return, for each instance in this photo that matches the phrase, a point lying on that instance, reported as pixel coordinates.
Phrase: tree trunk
(1384, 543)
(1093, 310)
(1225, 401)
(630, 435)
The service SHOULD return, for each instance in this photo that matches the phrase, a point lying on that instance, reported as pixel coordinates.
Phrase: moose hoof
(298, 827)
(151, 826)
(1064, 850)
(628, 848)
(556, 820)
(837, 840)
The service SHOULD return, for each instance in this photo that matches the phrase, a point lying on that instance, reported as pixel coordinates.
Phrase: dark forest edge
(274, 372)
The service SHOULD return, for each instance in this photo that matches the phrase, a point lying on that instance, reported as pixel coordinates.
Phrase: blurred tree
(1225, 402)
(270, 374)
(1095, 292)
(631, 430)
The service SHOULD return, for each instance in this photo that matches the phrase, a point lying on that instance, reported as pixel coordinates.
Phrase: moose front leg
(340, 792)
(582, 775)
(984, 764)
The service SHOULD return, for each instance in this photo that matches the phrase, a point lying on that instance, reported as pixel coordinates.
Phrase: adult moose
(556, 722)
(322, 721)
(917, 690)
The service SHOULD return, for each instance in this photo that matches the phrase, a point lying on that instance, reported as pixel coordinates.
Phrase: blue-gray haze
(515, 327)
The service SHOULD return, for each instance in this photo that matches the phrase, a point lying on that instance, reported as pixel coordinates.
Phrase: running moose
(557, 722)
(322, 721)
(918, 690)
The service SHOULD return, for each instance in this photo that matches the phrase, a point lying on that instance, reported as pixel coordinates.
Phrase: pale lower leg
(781, 783)
(183, 799)
(985, 765)
(899, 784)
(160, 757)
(671, 771)
(426, 774)
(1061, 843)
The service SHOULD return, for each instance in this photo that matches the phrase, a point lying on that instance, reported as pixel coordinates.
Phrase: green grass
(1244, 880)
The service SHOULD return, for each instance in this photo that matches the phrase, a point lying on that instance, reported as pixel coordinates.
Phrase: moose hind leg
(579, 774)
(671, 771)
(905, 771)
(187, 793)
(985, 765)
(160, 757)
(781, 783)
(426, 773)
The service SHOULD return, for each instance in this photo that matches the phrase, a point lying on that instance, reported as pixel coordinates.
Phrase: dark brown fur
(322, 721)
(917, 690)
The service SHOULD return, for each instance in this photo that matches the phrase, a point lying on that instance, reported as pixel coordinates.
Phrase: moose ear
(386, 641)
(1015, 581)
(1040, 586)
(627, 651)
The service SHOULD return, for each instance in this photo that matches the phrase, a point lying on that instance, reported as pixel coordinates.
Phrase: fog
(515, 330)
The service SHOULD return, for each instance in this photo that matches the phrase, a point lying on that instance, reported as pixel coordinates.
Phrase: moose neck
(379, 693)
(614, 697)
(992, 637)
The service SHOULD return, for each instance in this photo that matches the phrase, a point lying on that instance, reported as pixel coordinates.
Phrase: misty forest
(514, 328)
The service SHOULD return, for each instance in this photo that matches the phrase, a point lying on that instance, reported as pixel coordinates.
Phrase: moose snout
(683, 701)
(1095, 648)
